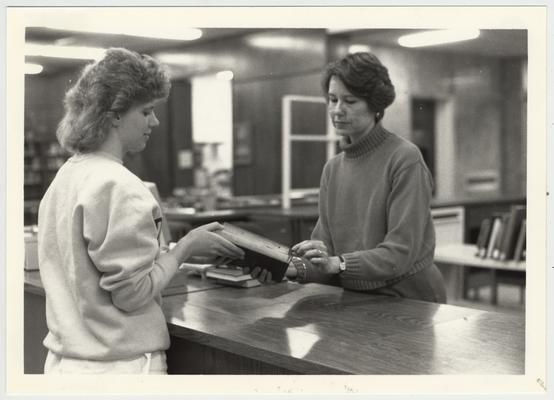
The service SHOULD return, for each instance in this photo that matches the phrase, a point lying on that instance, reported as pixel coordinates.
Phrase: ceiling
(497, 43)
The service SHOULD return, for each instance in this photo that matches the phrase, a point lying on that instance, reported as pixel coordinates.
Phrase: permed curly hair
(365, 77)
(106, 89)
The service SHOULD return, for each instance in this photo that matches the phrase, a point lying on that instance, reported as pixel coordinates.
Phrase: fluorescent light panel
(358, 48)
(32, 69)
(73, 52)
(117, 27)
(432, 38)
(225, 75)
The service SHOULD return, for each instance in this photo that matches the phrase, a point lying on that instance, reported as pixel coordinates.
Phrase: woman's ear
(116, 120)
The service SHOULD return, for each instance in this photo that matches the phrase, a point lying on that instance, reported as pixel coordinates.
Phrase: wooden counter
(317, 329)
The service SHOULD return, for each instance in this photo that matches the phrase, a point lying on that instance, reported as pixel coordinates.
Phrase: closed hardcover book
(259, 251)
(243, 280)
(483, 238)
(521, 241)
(507, 247)
(496, 226)
(228, 270)
(225, 277)
(500, 236)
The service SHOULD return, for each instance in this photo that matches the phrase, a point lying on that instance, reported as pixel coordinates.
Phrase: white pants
(149, 363)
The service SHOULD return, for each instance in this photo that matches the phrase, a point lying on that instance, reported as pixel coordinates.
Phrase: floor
(508, 300)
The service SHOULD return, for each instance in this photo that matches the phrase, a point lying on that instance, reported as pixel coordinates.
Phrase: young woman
(374, 231)
(100, 259)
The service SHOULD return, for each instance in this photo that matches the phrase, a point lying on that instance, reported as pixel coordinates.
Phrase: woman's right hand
(264, 276)
(204, 243)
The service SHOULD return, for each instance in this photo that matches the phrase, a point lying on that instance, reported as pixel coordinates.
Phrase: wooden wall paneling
(44, 97)
(259, 102)
(180, 130)
(152, 164)
(188, 357)
(266, 64)
(513, 138)
(158, 162)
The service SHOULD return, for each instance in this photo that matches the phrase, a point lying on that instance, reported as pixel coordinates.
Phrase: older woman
(374, 231)
(100, 259)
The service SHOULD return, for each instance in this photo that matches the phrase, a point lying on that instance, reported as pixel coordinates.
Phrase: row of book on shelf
(502, 236)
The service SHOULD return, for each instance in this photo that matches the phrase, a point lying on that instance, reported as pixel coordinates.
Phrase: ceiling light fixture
(114, 26)
(175, 58)
(32, 69)
(225, 75)
(279, 42)
(73, 52)
(359, 48)
(432, 38)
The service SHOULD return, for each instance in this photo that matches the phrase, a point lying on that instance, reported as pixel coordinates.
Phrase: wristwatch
(342, 264)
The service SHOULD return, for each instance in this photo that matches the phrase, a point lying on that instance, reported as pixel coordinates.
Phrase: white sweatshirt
(100, 262)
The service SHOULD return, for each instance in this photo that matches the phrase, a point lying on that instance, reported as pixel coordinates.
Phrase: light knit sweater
(374, 210)
(100, 262)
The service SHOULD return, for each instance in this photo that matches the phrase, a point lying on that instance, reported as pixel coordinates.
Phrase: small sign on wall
(242, 143)
(482, 181)
(184, 159)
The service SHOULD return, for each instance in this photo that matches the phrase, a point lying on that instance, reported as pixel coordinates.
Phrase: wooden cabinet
(449, 224)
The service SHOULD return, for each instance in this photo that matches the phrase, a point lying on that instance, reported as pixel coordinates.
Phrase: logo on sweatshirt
(158, 222)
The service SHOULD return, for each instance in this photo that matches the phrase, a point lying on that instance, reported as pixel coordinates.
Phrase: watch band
(342, 264)
(300, 268)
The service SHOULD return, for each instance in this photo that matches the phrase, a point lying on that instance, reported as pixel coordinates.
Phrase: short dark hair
(365, 77)
(106, 89)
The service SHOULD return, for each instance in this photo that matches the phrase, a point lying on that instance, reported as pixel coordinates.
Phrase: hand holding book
(259, 252)
(206, 245)
(265, 276)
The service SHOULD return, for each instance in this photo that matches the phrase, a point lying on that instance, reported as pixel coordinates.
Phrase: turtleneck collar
(368, 143)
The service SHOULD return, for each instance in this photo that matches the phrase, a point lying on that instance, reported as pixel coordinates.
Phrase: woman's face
(135, 126)
(350, 114)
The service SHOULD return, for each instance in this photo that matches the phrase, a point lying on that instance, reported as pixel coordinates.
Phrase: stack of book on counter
(503, 235)
(231, 275)
(259, 251)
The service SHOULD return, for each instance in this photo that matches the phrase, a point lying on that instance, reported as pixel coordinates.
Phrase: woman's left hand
(316, 252)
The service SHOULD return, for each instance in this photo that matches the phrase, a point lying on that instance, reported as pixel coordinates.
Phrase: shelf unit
(42, 159)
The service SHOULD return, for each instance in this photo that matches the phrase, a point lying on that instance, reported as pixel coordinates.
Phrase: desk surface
(298, 212)
(201, 217)
(318, 329)
(181, 283)
(464, 254)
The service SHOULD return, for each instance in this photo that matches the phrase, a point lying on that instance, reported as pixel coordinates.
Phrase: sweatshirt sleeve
(122, 241)
(408, 216)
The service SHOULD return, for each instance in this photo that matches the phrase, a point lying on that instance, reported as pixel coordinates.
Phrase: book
(500, 236)
(259, 251)
(225, 269)
(483, 238)
(496, 227)
(521, 241)
(224, 278)
(507, 247)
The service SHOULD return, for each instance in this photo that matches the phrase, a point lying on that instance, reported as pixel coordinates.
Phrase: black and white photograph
(276, 200)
